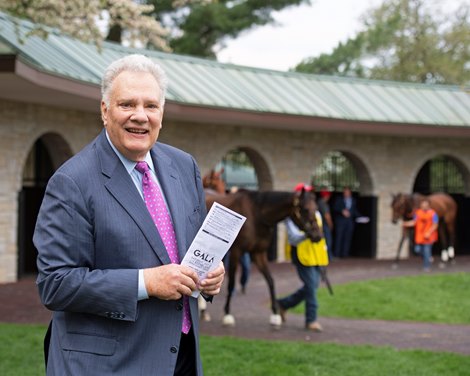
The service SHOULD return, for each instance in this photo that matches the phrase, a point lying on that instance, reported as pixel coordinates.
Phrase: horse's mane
(270, 197)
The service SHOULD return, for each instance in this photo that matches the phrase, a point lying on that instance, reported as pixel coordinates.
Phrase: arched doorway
(245, 168)
(46, 155)
(447, 174)
(339, 169)
(442, 174)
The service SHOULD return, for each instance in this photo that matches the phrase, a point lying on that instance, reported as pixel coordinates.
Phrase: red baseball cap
(325, 193)
(306, 187)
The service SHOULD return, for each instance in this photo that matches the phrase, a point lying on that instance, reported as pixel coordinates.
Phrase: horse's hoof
(275, 321)
(451, 252)
(228, 320)
(444, 256)
(205, 316)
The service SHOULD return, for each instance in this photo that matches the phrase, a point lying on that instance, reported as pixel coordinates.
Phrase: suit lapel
(170, 182)
(123, 189)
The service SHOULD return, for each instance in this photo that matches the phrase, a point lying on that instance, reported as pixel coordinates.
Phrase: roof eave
(267, 120)
(52, 89)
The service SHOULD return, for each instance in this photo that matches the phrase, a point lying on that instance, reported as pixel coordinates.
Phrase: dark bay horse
(403, 206)
(213, 181)
(263, 211)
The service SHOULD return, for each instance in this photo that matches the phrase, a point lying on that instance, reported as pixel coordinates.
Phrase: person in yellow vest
(307, 258)
(426, 222)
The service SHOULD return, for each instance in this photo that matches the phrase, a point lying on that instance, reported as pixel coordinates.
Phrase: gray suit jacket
(93, 233)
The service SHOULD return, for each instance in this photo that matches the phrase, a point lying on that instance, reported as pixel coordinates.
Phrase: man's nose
(139, 115)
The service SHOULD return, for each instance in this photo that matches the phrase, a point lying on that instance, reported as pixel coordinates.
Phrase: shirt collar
(128, 164)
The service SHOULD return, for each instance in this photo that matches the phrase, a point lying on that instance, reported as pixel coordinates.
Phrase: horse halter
(297, 214)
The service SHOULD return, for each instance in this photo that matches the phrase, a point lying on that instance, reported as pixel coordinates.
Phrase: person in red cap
(305, 187)
(310, 275)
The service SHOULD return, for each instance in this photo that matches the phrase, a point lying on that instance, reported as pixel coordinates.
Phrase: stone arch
(260, 165)
(460, 168)
(362, 172)
(44, 156)
(265, 180)
(356, 175)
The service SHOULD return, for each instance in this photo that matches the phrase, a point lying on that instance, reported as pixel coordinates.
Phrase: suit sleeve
(202, 205)
(200, 191)
(67, 280)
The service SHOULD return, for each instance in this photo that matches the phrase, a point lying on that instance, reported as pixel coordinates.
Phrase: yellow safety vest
(312, 254)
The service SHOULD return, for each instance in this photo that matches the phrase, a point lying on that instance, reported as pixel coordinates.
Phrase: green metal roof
(207, 83)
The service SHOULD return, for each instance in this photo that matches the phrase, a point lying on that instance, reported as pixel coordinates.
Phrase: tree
(403, 41)
(126, 19)
(201, 28)
(194, 27)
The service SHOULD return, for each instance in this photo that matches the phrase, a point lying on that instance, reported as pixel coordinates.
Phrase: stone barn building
(393, 136)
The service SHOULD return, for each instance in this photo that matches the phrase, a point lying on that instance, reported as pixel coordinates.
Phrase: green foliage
(201, 27)
(335, 172)
(439, 298)
(403, 40)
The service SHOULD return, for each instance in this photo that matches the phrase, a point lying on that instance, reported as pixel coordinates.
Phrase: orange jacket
(424, 221)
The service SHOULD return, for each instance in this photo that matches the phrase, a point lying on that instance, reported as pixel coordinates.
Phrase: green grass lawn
(21, 355)
(439, 298)
(233, 356)
(430, 298)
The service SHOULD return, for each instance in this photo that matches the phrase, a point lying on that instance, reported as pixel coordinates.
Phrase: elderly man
(116, 220)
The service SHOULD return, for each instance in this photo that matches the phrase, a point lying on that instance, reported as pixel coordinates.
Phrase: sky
(301, 32)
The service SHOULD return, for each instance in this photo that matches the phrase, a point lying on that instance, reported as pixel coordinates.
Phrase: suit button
(179, 306)
(173, 349)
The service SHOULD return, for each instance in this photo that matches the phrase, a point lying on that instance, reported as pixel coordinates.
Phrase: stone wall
(385, 165)
(21, 125)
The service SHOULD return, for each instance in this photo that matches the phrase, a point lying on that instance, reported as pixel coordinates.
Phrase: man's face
(425, 205)
(134, 116)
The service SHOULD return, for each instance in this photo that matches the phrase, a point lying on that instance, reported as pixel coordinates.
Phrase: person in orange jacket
(426, 222)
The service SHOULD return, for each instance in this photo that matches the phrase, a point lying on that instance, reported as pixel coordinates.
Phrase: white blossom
(79, 19)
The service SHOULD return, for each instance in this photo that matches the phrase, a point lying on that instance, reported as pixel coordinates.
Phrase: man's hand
(213, 282)
(170, 282)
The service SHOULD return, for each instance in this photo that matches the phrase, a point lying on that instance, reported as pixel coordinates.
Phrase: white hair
(133, 63)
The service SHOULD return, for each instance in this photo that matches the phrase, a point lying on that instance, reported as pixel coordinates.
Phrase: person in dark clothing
(345, 212)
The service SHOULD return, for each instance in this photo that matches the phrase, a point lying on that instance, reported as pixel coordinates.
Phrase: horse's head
(213, 180)
(304, 215)
(402, 207)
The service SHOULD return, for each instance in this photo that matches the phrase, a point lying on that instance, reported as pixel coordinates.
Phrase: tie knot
(142, 167)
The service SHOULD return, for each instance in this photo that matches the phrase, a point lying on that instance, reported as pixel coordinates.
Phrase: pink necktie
(161, 217)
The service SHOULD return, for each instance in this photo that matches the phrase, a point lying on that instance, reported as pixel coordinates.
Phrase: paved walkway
(20, 304)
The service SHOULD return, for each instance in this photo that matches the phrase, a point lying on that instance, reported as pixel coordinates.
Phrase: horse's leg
(228, 319)
(443, 242)
(450, 224)
(261, 261)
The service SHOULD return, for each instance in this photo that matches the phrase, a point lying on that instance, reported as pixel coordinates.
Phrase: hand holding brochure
(213, 240)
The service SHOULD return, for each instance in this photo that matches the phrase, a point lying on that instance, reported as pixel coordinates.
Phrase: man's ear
(104, 113)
